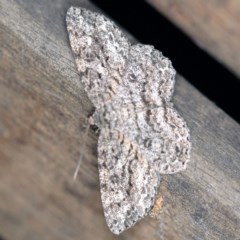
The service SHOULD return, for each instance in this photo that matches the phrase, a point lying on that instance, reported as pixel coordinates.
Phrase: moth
(141, 135)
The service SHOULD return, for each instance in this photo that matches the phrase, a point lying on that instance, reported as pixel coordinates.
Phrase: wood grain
(213, 25)
(43, 109)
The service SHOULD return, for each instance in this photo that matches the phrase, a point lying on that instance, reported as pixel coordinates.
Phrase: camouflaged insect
(141, 134)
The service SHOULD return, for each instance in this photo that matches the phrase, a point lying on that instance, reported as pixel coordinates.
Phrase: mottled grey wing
(128, 182)
(149, 78)
(169, 147)
(100, 50)
(159, 131)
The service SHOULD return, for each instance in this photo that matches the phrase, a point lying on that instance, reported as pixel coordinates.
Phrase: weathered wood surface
(42, 112)
(213, 25)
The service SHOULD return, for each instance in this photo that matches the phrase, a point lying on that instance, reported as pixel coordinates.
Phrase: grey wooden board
(42, 112)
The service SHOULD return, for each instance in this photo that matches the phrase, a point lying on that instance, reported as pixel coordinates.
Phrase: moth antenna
(81, 153)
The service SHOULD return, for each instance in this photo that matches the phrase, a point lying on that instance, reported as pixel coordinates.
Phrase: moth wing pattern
(150, 75)
(100, 50)
(172, 136)
(128, 183)
(141, 134)
(160, 132)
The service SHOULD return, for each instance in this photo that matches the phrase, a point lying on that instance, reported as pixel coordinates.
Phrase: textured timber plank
(213, 25)
(42, 112)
